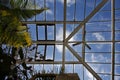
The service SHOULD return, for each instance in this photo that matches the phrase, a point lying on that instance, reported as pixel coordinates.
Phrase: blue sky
(100, 51)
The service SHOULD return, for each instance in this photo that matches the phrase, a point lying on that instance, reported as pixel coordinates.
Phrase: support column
(64, 36)
(113, 37)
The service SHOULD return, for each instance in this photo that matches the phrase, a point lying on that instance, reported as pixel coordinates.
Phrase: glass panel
(59, 10)
(98, 57)
(117, 47)
(59, 32)
(32, 31)
(117, 14)
(98, 26)
(105, 77)
(31, 51)
(99, 47)
(117, 58)
(87, 75)
(38, 68)
(40, 4)
(98, 31)
(117, 78)
(31, 6)
(98, 36)
(50, 32)
(117, 69)
(70, 10)
(117, 25)
(58, 52)
(41, 32)
(49, 53)
(79, 16)
(40, 53)
(57, 68)
(101, 68)
(69, 56)
(102, 16)
(107, 6)
(98, 2)
(89, 7)
(78, 48)
(117, 5)
(69, 68)
(69, 29)
(78, 68)
(48, 68)
(117, 35)
(50, 12)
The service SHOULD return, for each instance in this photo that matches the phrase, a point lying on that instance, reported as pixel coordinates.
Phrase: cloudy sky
(98, 31)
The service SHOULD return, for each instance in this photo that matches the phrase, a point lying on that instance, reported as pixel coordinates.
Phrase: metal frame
(66, 41)
(113, 38)
(87, 19)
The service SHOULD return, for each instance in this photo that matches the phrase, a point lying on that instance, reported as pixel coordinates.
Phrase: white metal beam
(64, 34)
(48, 42)
(53, 62)
(53, 42)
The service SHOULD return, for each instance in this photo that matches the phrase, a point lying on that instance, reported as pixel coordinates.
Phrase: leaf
(11, 30)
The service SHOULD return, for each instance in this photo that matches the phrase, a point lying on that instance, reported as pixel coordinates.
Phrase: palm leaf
(15, 34)
(24, 14)
(23, 11)
(19, 9)
(11, 30)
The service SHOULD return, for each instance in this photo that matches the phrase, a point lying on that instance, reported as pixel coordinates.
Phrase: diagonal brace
(84, 63)
(86, 19)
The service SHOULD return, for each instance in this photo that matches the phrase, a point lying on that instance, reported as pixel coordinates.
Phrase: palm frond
(20, 9)
(15, 34)
(24, 14)
(12, 32)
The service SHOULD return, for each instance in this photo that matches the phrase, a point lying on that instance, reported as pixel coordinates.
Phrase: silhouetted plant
(14, 35)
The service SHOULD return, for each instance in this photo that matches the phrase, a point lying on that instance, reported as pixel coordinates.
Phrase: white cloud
(99, 67)
(49, 12)
(98, 36)
(69, 2)
(117, 78)
(93, 58)
(99, 57)
(50, 1)
(59, 36)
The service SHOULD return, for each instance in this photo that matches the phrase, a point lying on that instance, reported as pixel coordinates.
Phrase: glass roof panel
(41, 33)
(94, 40)
(32, 30)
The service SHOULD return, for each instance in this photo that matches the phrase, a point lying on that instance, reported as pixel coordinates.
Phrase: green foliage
(12, 32)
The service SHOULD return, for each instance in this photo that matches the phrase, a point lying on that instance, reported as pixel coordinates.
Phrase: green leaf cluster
(12, 31)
